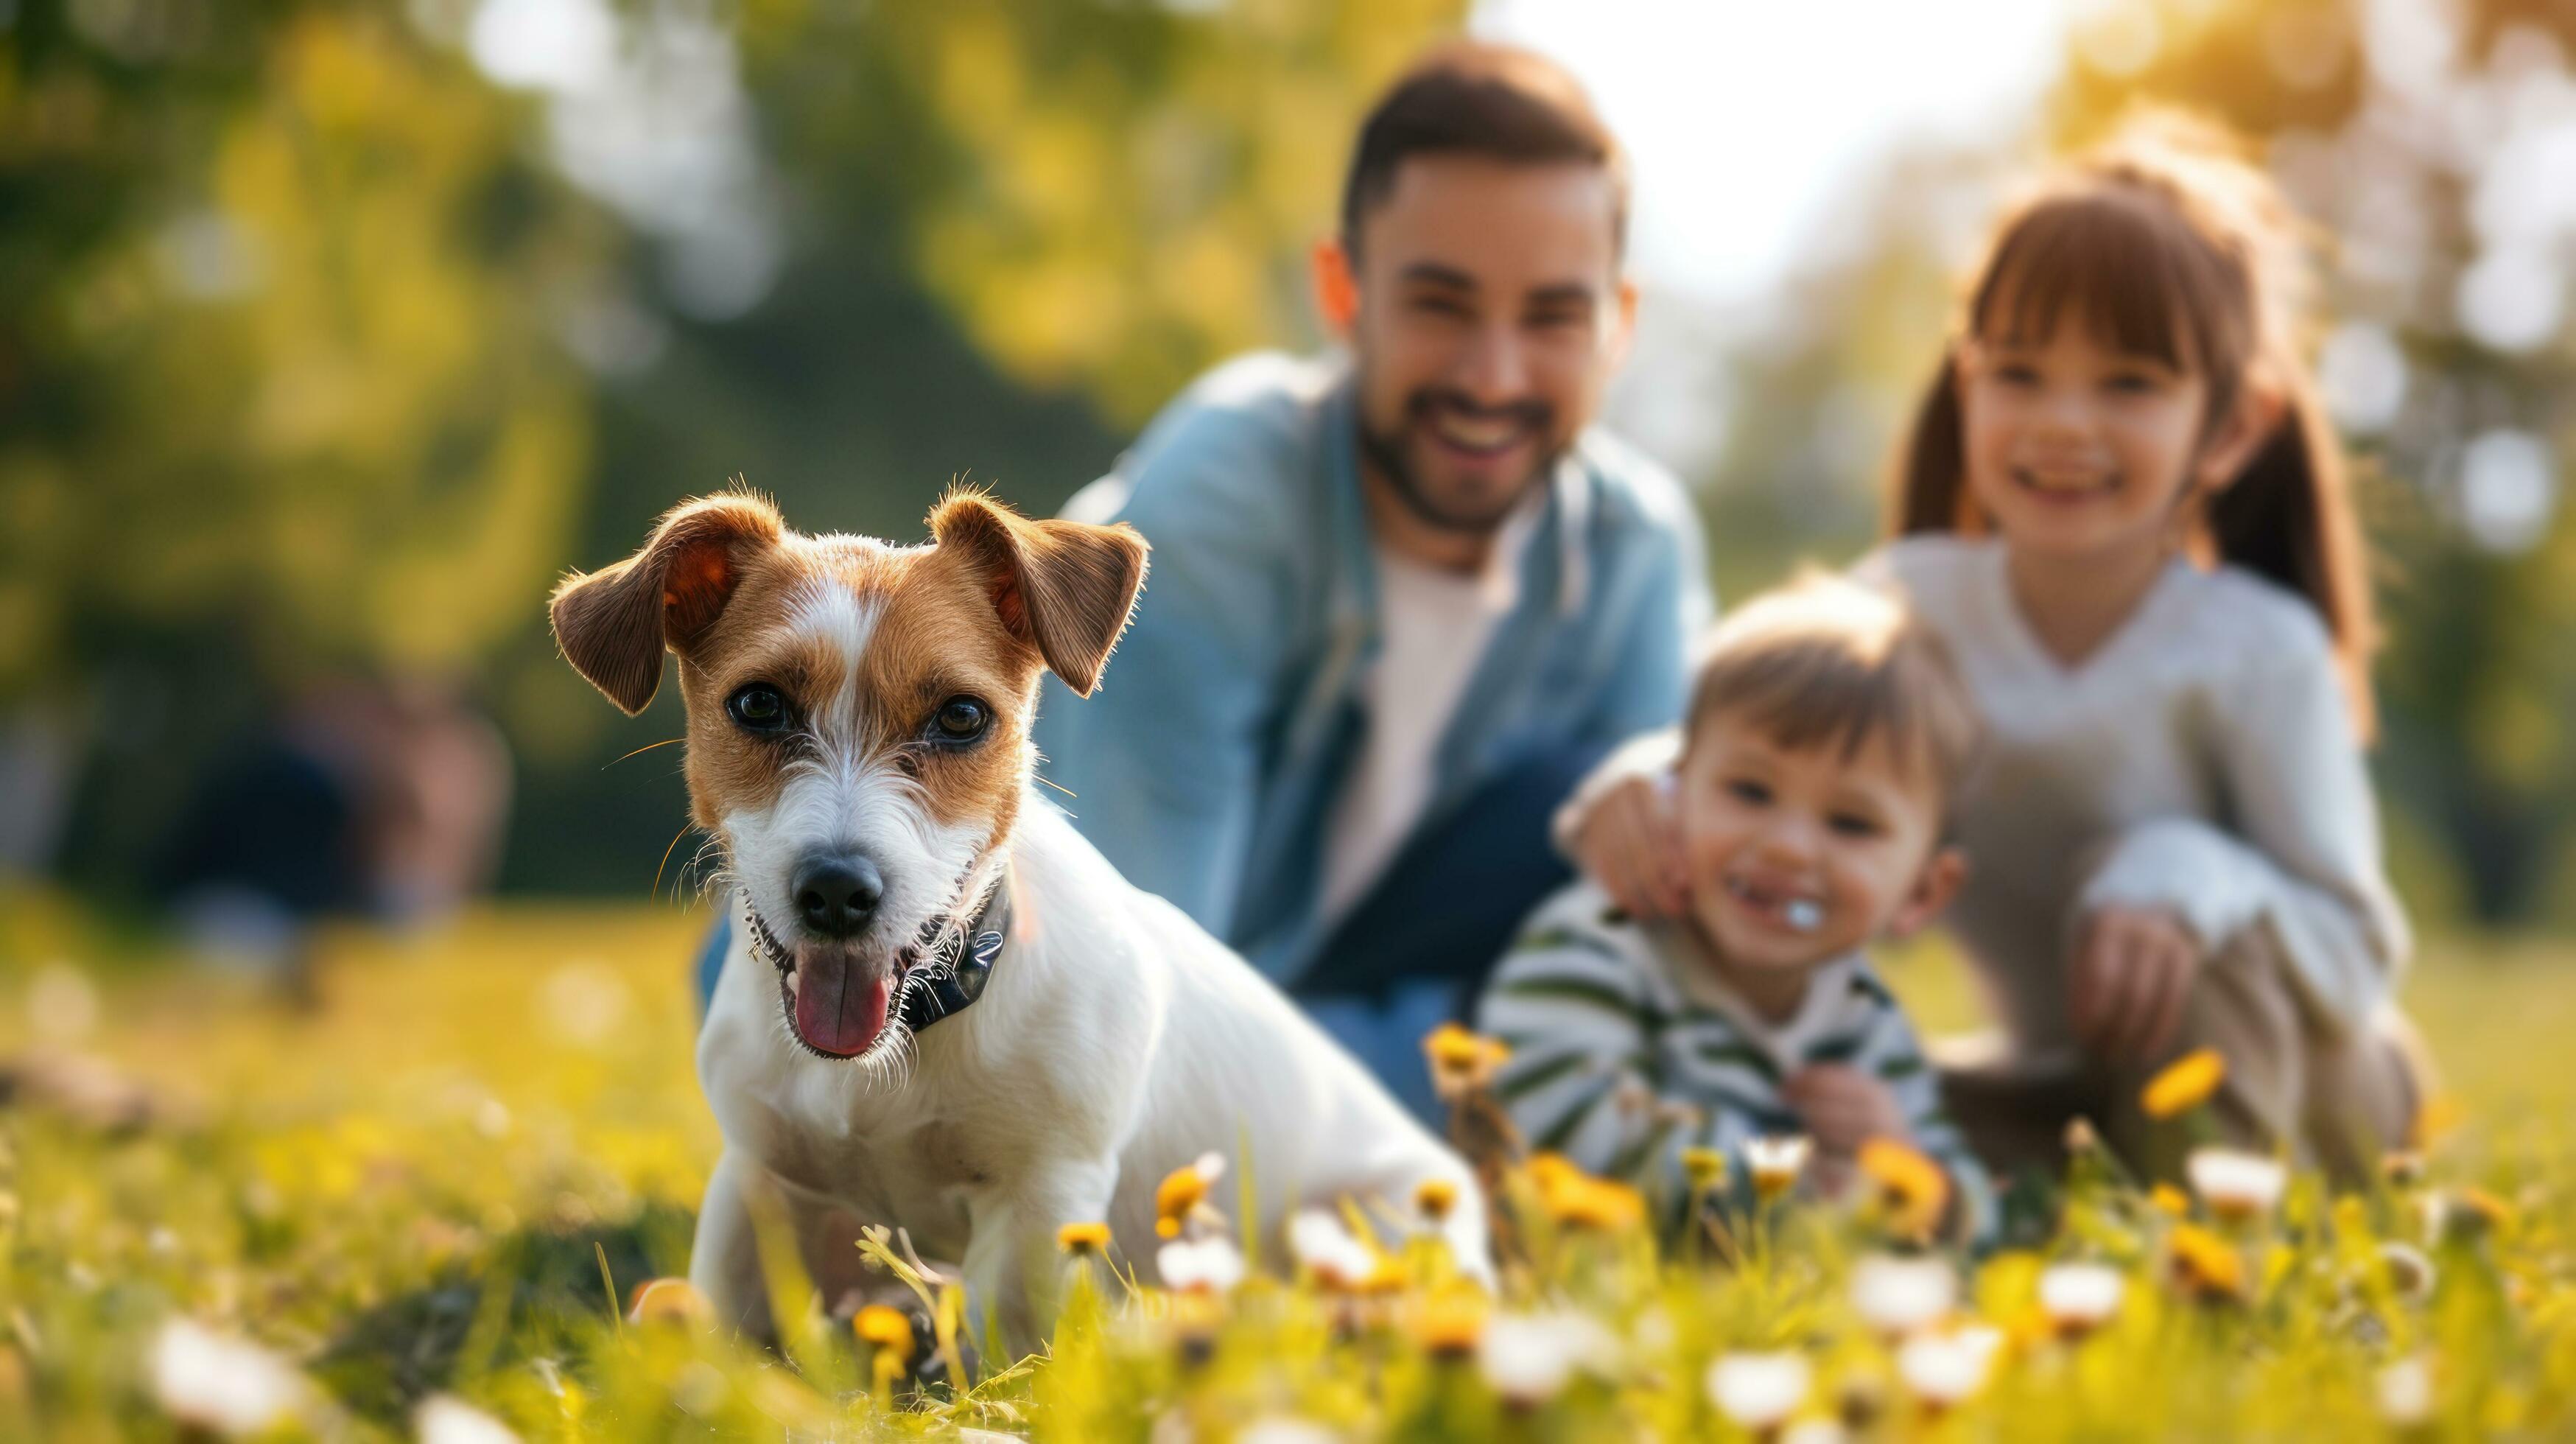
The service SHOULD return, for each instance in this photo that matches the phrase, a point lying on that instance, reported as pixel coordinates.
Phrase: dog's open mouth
(836, 1001)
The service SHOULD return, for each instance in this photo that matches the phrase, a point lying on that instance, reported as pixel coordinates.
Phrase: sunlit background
(331, 334)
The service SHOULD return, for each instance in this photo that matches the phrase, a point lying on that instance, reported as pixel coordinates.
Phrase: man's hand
(1843, 1108)
(2134, 970)
(1626, 837)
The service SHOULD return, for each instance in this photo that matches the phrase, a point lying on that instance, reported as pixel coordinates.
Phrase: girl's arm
(1620, 831)
(2302, 856)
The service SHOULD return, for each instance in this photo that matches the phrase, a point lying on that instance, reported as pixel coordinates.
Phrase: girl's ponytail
(1929, 491)
(2289, 518)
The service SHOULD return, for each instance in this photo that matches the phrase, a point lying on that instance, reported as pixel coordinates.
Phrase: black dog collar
(953, 976)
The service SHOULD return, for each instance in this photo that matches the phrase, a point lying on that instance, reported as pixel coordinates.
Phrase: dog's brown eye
(758, 707)
(960, 719)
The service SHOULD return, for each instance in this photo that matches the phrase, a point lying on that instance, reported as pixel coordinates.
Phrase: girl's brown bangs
(2134, 275)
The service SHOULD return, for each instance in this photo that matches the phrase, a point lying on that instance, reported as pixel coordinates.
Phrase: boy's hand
(1623, 834)
(2134, 970)
(1843, 1107)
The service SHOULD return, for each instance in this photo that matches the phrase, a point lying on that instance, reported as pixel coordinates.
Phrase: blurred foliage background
(331, 332)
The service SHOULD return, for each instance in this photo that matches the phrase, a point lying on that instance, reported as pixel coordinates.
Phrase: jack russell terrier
(943, 1010)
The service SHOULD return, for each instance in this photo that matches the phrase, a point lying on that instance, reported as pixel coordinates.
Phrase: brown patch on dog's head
(1063, 587)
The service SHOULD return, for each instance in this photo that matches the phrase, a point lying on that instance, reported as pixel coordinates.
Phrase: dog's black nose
(837, 895)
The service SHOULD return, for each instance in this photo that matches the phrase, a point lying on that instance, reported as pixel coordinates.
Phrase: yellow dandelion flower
(2169, 1199)
(1448, 1323)
(2470, 1213)
(1462, 1061)
(667, 1301)
(1601, 1205)
(1576, 1199)
(1912, 1190)
(2185, 1084)
(1083, 1240)
(2205, 1265)
(1435, 1197)
(1548, 1170)
(1182, 1191)
(1705, 1168)
(887, 1329)
(2439, 1114)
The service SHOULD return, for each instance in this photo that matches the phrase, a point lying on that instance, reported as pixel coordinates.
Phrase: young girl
(2122, 509)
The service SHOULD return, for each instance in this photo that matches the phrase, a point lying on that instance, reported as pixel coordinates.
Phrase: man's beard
(1386, 452)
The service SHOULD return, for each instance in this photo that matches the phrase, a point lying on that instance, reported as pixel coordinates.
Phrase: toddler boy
(1826, 734)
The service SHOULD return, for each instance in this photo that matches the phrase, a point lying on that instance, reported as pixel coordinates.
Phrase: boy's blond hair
(1826, 661)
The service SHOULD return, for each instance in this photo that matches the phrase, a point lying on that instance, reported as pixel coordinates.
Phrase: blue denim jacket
(1206, 765)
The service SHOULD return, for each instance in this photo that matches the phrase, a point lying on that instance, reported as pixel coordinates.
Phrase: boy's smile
(1797, 856)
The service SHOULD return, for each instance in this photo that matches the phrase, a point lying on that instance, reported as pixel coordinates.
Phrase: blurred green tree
(1108, 196)
(329, 333)
(275, 353)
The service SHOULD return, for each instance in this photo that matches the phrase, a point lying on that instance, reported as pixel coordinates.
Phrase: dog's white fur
(1115, 1041)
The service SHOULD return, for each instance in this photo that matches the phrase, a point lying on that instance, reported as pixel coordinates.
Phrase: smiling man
(1402, 597)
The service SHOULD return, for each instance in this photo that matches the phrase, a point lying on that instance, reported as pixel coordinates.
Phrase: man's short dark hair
(1473, 98)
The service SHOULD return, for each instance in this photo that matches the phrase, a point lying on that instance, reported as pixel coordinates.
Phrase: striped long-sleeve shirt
(1619, 1066)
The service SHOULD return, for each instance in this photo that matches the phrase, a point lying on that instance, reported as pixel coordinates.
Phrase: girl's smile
(2078, 450)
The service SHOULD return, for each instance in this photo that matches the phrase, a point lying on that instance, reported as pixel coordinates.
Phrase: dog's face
(858, 716)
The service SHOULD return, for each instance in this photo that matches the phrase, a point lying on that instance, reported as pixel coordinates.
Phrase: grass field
(412, 1193)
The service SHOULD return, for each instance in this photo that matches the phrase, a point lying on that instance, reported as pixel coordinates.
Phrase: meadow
(423, 1207)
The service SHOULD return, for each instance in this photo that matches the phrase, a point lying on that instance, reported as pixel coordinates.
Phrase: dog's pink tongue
(838, 1012)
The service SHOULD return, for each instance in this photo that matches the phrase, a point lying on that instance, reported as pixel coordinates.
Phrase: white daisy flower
(1775, 1163)
(1759, 1391)
(2406, 1391)
(1212, 1263)
(446, 1419)
(1530, 1358)
(1286, 1429)
(1319, 1243)
(1900, 1295)
(223, 1384)
(1947, 1368)
(2409, 1271)
(2235, 1184)
(2081, 1297)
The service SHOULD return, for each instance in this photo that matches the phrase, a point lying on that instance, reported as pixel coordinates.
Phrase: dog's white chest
(918, 1176)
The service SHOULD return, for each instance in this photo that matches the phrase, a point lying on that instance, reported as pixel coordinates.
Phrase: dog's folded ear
(614, 623)
(1063, 587)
